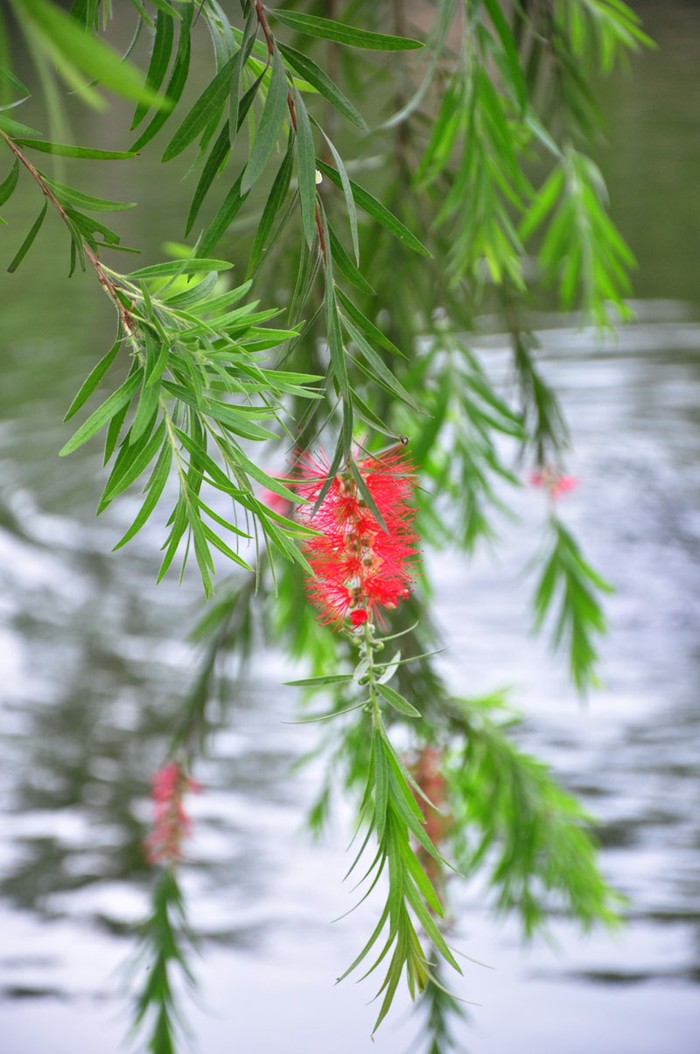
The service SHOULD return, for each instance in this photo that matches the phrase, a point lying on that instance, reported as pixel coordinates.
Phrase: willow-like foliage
(381, 186)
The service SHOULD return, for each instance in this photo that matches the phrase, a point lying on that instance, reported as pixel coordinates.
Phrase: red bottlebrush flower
(171, 824)
(358, 566)
(554, 482)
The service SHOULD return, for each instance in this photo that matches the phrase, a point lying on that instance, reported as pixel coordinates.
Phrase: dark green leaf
(306, 168)
(178, 78)
(27, 243)
(270, 126)
(377, 211)
(213, 165)
(308, 69)
(276, 197)
(329, 29)
(67, 150)
(207, 106)
(9, 183)
(160, 57)
(223, 218)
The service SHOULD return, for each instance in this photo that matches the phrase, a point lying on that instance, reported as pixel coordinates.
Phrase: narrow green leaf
(308, 69)
(329, 29)
(28, 241)
(318, 682)
(212, 166)
(306, 168)
(178, 78)
(378, 368)
(70, 196)
(372, 332)
(68, 150)
(347, 267)
(397, 701)
(209, 103)
(93, 379)
(154, 487)
(275, 199)
(247, 41)
(160, 57)
(9, 183)
(104, 413)
(349, 198)
(190, 265)
(270, 126)
(224, 217)
(133, 459)
(377, 211)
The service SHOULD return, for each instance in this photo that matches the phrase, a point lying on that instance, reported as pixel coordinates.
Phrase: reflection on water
(93, 666)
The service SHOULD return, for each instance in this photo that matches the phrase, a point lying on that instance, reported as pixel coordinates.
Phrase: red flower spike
(359, 567)
(554, 482)
(171, 823)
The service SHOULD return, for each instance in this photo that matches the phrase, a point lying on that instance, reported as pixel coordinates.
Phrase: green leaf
(323, 84)
(191, 265)
(318, 682)
(348, 195)
(247, 41)
(306, 168)
(207, 106)
(69, 43)
(372, 332)
(160, 57)
(9, 183)
(68, 150)
(397, 701)
(329, 29)
(212, 166)
(133, 459)
(347, 267)
(104, 413)
(377, 211)
(224, 217)
(270, 125)
(70, 196)
(275, 199)
(93, 379)
(27, 243)
(178, 78)
(154, 487)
